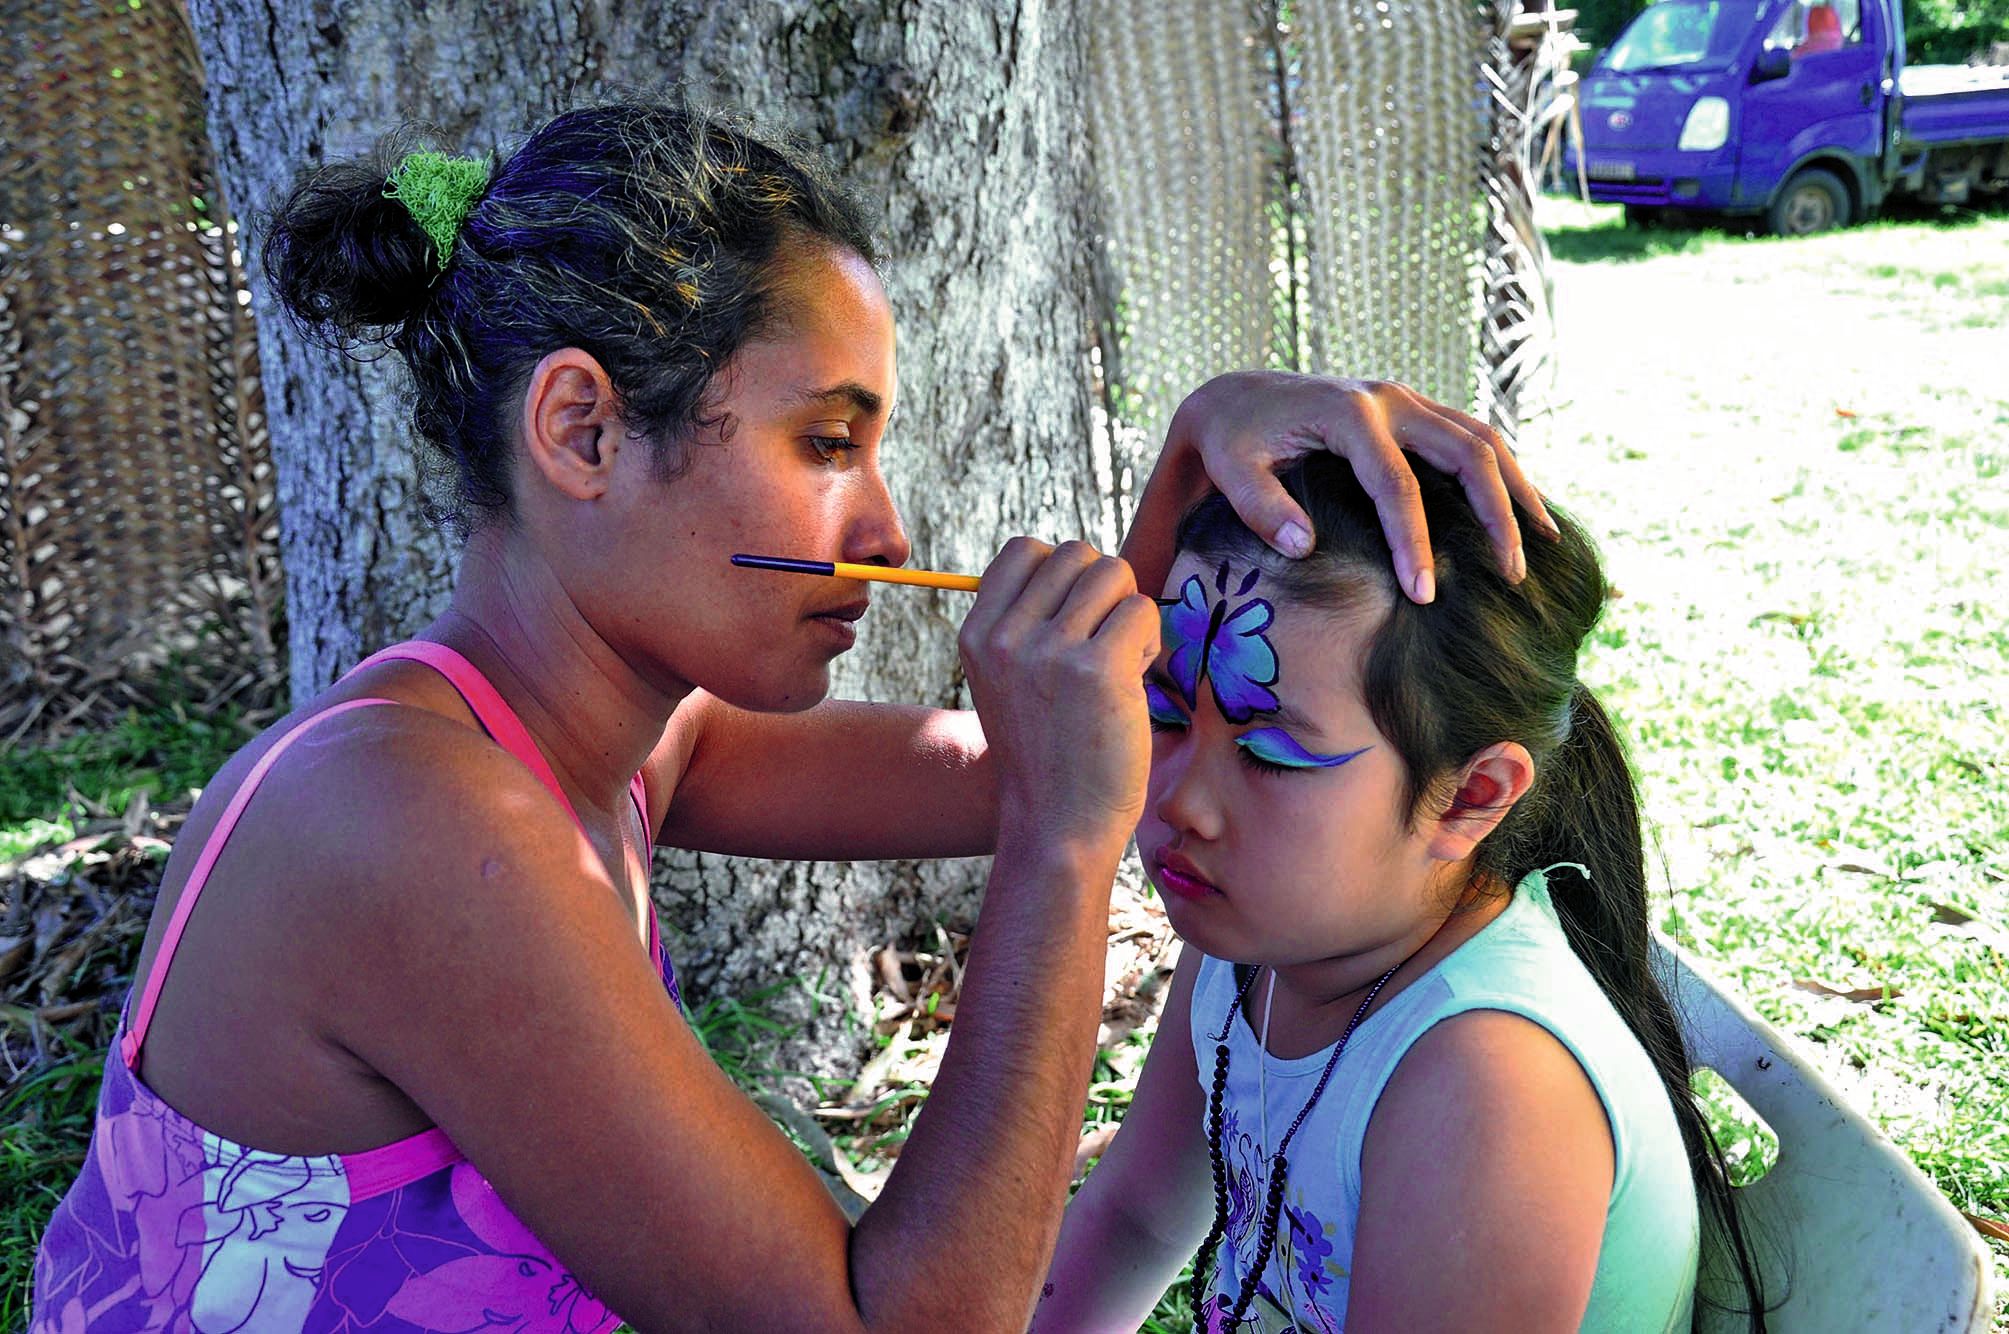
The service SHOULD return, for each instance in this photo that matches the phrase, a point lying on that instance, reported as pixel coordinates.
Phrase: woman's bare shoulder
(393, 799)
(382, 823)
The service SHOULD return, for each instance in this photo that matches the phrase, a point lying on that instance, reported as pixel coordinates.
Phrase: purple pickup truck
(1799, 111)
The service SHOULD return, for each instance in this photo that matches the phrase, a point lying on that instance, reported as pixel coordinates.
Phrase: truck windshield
(1680, 34)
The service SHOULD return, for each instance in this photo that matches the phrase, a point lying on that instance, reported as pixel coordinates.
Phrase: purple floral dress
(171, 1227)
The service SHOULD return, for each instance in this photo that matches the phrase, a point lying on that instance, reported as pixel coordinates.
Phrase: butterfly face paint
(1226, 647)
(1223, 639)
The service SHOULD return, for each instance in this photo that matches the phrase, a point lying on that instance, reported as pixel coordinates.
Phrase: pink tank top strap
(638, 788)
(212, 848)
(486, 702)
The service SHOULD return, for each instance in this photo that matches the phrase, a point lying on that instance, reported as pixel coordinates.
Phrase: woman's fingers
(1248, 425)
(1003, 580)
(1135, 623)
(1053, 656)
(1100, 588)
(1509, 468)
(1469, 451)
(1251, 486)
(1048, 588)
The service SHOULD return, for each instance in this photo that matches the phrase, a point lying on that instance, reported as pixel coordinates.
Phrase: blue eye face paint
(1161, 708)
(1273, 745)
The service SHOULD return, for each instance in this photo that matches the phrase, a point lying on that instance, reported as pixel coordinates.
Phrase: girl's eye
(1165, 715)
(830, 448)
(1254, 761)
(1273, 750)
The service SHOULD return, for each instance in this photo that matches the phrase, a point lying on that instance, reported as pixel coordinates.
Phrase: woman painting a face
(423, 960)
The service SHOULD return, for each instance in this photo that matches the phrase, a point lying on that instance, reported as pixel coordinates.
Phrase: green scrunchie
(439, 192)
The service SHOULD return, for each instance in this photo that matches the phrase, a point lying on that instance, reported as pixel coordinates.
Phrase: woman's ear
(1488, 786)
(572, 426)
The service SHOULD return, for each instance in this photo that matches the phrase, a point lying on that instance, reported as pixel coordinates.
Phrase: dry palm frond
(1526, 72)
(138, 512)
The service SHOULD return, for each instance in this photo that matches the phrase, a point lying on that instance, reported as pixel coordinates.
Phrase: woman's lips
(841, 622)
(1177, 876)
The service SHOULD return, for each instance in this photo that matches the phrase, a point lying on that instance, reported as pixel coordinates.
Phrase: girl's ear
(1488, 786)
(572, 426)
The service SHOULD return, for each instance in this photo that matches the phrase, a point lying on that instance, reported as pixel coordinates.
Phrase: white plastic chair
(1867, 1243)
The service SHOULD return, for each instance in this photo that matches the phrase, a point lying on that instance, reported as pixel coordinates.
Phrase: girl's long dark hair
(1490, 661)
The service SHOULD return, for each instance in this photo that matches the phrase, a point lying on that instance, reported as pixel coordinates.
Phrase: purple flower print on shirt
(1311, 1249)
(517, 1289)
(264, 1236)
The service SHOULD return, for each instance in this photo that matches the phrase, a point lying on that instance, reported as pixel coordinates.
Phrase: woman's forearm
(1177, 480)
(965, 1229)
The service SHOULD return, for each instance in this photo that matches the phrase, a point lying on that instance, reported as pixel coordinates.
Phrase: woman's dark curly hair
(653, 235)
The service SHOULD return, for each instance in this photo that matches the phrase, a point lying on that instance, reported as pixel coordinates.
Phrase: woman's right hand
(1055, 651)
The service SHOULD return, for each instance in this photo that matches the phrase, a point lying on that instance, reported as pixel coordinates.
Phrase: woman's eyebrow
(850, 391)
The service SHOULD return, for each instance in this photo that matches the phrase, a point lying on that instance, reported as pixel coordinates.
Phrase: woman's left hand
(1237, 430)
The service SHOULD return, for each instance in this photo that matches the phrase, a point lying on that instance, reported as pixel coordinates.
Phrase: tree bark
(961, 123)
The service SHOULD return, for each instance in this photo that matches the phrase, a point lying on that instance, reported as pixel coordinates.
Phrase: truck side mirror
(1773, 62)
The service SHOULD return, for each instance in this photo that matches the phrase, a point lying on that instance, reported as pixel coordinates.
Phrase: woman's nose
(876, 533)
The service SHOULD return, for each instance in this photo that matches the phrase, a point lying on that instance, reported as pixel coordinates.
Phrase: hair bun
(347, 262)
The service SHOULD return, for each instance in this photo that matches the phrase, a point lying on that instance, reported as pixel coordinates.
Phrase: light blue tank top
(1522, 963)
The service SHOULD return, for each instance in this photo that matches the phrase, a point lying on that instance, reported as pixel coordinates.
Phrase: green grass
(1792, 450)
(165, 752)
(1580, 233)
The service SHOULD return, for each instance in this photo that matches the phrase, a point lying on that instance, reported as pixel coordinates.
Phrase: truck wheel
(1812, 201)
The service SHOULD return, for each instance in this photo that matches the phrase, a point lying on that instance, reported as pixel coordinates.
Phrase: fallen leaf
(1987, 1227)
(1863, 994)
(14, 951)
(890, 975)
(874, 1075)
(1845, 413)
(1951, 914)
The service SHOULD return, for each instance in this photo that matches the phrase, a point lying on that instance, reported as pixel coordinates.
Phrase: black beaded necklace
(1273, 1205)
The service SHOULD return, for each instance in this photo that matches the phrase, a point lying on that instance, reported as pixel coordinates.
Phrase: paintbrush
(840, 569)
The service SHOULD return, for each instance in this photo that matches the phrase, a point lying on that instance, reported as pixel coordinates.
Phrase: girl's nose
(1182, 795)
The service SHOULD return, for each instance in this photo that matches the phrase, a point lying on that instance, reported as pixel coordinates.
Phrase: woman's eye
(829, 448)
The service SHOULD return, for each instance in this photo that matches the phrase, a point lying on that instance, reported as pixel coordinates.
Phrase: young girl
(1415, 1072)
(403, 1050)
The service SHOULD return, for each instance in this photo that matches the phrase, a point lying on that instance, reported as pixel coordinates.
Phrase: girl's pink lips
(1176, 875)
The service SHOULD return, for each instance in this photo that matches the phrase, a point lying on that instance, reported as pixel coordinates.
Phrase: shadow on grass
(1616, 240)
(1612, 238)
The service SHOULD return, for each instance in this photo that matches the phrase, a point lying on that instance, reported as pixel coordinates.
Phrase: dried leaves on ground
(71, 921)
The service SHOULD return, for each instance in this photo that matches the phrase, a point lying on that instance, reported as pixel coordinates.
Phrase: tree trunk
(960, 122)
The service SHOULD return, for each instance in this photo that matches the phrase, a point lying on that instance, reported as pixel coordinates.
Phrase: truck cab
(1793, 109)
